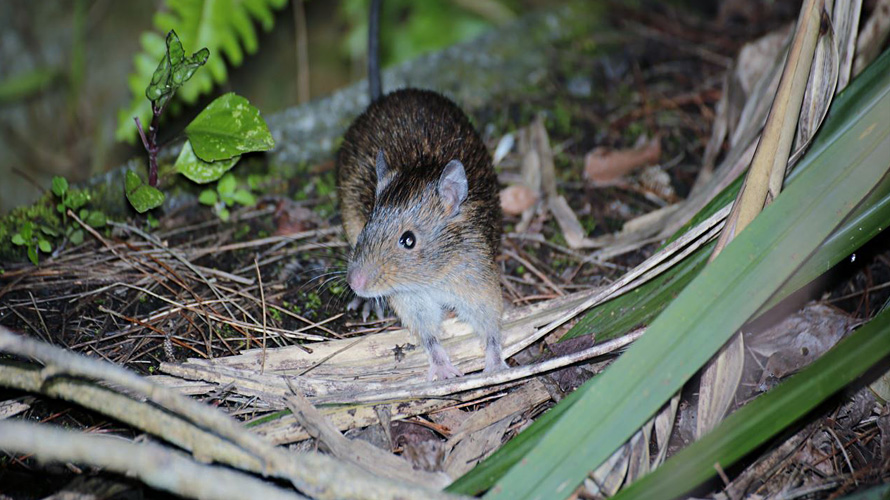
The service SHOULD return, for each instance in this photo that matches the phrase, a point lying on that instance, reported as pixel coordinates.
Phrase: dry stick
(39, 315)
(513, 255)
(139, 267)
(148, 326)
(676, 251)
(361, 453)
(317, 475)
(451, 386)
(302, 52)
(217, 317)
(309, 323)
(259, 277)
(154, 465)
(144, 416)
(263, 241)
(722, 374)
(176, 255)
(329, 356)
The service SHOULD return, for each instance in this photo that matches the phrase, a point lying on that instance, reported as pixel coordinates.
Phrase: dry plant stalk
(722, 375)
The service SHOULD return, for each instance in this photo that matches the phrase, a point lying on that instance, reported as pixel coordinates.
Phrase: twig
(317, 475)
(156, 466)
(358, 452)
(447, 387)
(259, 277)
(147, 417)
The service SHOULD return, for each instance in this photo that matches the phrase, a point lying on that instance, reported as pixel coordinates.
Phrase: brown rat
(420, 209)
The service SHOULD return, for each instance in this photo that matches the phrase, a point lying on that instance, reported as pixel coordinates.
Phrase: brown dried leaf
(291, 218)
(517, 198)
(799, 340)
(604, 166)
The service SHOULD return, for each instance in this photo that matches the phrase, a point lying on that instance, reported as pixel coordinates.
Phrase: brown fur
(452, 265)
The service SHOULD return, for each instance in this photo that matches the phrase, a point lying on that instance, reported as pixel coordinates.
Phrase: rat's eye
(407, 240)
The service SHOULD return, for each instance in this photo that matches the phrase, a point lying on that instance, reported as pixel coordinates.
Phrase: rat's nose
(356, 279)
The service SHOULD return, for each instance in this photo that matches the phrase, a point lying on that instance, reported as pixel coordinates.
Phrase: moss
(42, 212)
(242, 231)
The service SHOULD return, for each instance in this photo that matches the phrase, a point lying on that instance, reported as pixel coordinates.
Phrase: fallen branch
(361, 453)
(316, 475)
(154, 465)
(149, 418)
(450, 386)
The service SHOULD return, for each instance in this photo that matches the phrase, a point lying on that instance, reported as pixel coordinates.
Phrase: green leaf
(223, 213)
(208, 197)
(227, 185)
(27, 231)
(60, 208)
(132, 181)
(875, 493)
(141, 196)
(44, 246)
(32, 254)
(76, 199)
(726, 294)
(76, 237)
(96, 219)
(642, 304)
(198, 170)
(17, 239)
(60, 185)
(48, 231)
(228, 126)
(174, 69)
(244, 197)
(83, 214)
(751, 426)
(223, 26)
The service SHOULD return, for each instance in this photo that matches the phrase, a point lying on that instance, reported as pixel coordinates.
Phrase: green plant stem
(151, 142)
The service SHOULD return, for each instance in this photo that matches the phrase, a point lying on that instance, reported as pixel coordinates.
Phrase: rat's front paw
(443, 371)
(366, 305)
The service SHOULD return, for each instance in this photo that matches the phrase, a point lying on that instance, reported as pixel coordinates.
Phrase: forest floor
(196, 288)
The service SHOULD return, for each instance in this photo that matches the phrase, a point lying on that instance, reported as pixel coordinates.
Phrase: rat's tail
(374, 84)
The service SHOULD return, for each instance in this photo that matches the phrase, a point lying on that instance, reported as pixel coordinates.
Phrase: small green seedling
(227, 128)
(74, 200)
(34, 240)
(227, 194)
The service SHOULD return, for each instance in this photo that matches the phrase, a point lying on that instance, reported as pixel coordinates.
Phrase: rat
(420, 208)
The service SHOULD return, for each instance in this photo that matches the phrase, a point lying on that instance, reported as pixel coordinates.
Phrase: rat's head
(413, 233)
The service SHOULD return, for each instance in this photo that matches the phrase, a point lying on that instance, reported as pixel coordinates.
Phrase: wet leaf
(198, 170)
(208, 197)
(229, 126)
(173, 70)
(60, 186)
(141, 196)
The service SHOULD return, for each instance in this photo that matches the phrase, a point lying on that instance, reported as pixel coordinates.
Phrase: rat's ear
(383, 174)
(453, 186)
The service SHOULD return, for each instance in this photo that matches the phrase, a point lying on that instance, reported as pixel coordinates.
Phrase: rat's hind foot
(494, 364)
(442, 371)
(366, 306)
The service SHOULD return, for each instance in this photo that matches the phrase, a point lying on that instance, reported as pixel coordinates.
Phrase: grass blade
(766, 416)
(725, 295)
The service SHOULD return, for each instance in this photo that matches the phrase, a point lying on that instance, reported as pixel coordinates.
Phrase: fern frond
(223, 26)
